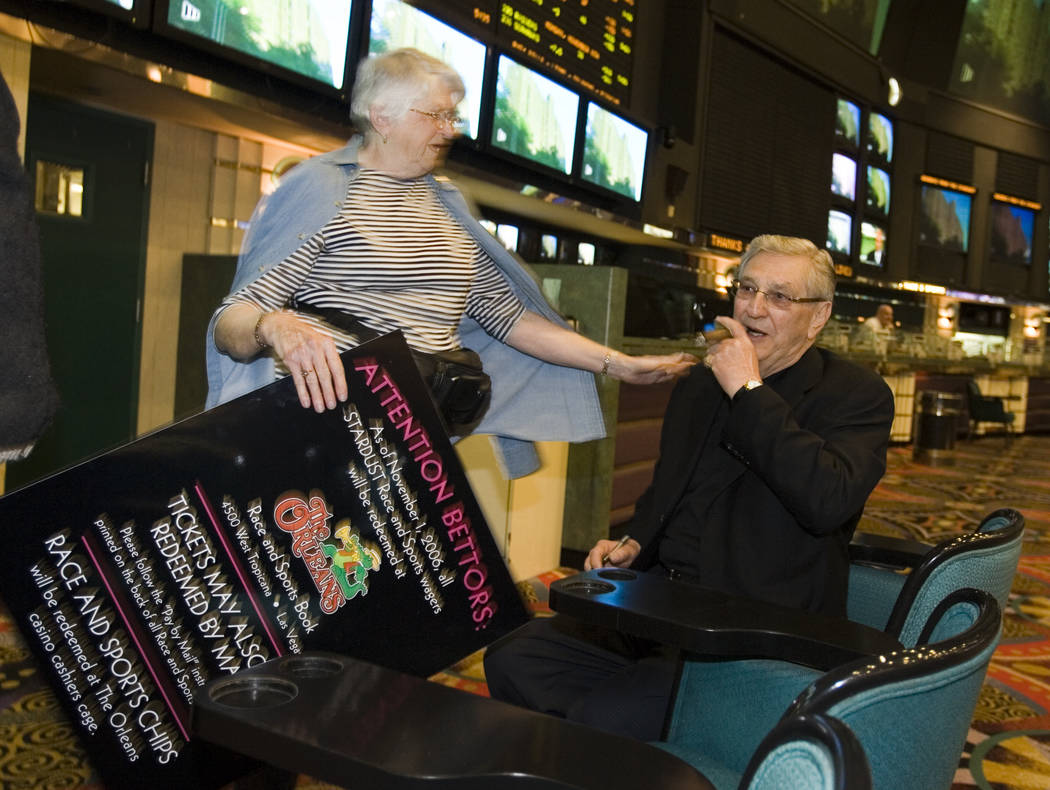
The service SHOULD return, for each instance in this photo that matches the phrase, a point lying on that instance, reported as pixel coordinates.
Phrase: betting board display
(589, 43)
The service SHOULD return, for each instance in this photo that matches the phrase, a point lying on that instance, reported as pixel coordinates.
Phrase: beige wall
(203, 189)
(14, 65)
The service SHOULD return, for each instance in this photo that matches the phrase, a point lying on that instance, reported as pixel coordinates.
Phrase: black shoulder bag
(457, 381)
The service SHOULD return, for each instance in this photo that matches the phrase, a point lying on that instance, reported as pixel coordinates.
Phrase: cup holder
(588, 587)
(253, 692)
(311, 666)
(618, 575)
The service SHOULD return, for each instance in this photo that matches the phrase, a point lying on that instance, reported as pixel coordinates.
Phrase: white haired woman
(368, 233)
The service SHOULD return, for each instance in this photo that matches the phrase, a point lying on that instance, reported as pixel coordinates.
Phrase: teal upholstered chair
(894, 584)
(987, 408)
(809, 752)
(910, 710)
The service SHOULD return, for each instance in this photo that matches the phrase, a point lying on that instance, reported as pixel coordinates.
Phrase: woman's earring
(384, 138)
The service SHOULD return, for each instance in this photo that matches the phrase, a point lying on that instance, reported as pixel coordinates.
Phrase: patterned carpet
(1009, 743)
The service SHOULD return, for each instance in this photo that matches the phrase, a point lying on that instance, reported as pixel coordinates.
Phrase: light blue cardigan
(532, 400)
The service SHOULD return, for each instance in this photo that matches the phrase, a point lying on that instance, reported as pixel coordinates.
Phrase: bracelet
(262, 344)
(605, 363)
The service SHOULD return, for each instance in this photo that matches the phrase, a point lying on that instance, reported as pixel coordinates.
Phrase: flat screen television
(944, 219)
(984, 319)
(844, 176)
(872, 244)
(548, 247)
(614, 152)
(134, 12)
(878, 194)
(585, 252)
(305, 41)
(1011, 232)
(847, 123)
(395, 24)
(534, 117)
(508, 235)
(840, 232)
(880, 137)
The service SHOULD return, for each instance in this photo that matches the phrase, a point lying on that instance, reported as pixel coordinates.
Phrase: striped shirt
(394, 258)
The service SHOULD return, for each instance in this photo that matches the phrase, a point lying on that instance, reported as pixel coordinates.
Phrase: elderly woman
(369, 232)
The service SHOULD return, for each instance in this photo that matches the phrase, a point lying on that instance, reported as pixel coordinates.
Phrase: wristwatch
(750, 384)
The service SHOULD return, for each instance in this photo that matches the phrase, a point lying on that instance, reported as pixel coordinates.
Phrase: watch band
(750, 384)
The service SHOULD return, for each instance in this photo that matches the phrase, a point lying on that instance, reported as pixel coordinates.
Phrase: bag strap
(340, 319)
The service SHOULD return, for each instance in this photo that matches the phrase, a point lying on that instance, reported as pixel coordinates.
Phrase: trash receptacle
(935, 426)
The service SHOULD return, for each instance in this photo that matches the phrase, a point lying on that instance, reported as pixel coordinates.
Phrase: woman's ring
(307, 373)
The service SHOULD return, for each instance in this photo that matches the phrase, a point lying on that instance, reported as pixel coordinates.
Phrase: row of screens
(844, 183)
(878, 139)
(860, 168)
(530, 116)
(944, 222)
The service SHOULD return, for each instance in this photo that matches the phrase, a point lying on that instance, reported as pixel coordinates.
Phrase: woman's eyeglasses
(746, 292)
(449, 119)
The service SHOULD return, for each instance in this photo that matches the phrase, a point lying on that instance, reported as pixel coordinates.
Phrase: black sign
(589, 43)
(255, 530)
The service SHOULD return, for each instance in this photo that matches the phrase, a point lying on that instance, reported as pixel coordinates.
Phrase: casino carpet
(1008, 747)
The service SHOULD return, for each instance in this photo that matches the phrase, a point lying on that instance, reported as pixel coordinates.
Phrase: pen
(623, 540)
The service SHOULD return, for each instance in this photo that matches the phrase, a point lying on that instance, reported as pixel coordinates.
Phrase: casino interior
(627, 150)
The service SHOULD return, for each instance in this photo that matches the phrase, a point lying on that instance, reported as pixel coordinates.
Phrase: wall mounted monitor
(847, 123)
(984, 319)
(395, 24)
(534, 117)
(508, 236)
(134, 12)
(880, 137)
(1011, 233)
(878, 194)
(614, 152)
(548, 247)
(944, 218)
(585, 252)
(305, 41)
(872, 244)
(840, 232)
(844, 176)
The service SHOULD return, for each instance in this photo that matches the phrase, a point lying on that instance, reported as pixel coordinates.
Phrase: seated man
(767, 457)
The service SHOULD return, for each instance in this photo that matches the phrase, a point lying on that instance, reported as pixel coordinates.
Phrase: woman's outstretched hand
(650, 368)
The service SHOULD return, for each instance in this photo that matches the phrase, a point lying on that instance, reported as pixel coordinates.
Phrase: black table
(712, 623)
(356, 724)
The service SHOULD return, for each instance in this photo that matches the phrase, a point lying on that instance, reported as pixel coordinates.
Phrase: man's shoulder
(840, 370)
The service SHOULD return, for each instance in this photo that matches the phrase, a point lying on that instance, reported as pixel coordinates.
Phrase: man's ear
(820, 317)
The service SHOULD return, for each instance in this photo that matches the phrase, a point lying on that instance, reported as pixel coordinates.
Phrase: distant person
(768, 453)
(27, 391)
(878, 330)
(365, 240)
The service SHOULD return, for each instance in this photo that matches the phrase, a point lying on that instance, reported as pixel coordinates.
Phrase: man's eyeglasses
(746, 292)
(448, 119)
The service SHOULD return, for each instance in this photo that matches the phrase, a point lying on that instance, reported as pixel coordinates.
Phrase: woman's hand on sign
(311, 357)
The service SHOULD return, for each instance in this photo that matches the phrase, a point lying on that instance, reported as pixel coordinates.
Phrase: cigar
(609, 553)
(708, 337)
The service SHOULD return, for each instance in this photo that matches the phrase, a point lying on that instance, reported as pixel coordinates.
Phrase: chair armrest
(359, 725)
(875, 549)
(709, 622)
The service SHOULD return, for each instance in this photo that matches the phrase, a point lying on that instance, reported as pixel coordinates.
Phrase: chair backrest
(809, 752)
(900, 604)
(911, 710)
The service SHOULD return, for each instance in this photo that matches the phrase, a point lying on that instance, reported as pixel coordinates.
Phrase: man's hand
(621, 557)
(733, 360)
